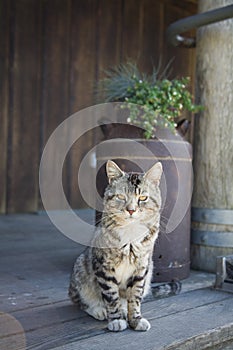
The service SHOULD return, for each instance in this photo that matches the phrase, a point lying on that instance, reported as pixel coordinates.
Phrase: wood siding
(52, 52)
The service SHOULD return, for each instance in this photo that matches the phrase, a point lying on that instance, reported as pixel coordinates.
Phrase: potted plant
(162, 101)
(155, 108)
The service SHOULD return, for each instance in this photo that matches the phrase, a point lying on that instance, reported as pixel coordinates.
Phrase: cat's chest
(129, 263)
(124, 271)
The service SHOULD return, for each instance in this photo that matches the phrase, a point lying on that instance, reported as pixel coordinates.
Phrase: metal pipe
(183, 25)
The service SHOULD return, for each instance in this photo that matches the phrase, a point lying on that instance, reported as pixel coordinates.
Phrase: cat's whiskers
(163, 227)
(168, 237)
(163, 222)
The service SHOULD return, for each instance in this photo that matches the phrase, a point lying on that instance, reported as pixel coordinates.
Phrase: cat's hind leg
(92, 302)
(84, 290)
(99, 312)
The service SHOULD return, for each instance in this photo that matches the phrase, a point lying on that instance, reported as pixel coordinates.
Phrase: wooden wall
(51, 54)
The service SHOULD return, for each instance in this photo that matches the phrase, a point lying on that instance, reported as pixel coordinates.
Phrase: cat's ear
(113, 171)
(154, 174)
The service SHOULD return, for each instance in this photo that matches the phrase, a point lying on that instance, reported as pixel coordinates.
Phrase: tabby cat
(111, 278)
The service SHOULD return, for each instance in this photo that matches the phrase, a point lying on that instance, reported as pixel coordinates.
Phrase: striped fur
(110, 279)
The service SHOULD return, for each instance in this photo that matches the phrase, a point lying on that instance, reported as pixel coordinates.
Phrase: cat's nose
(131, 211)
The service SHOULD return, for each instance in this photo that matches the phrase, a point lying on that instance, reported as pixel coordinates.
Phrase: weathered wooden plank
(83, 54)
(24, 107)
(55, 80)
(4, 97)
(175, 328)
(62, 333)
(151, 45)
(31, 251)
(109, 29)
(99, 30)
(31, 295)
(50, 325)
(53, 329)
(61, 322)
(50, 315)
(48, 320)
(82, 82)
(132, 36)
(182, 303)
(56, 29)
(62, 311)
(211, 340)
(12, 334)
(188, 5)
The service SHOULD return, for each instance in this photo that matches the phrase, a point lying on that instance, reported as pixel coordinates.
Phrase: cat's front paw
(117, 325)
(140, 324)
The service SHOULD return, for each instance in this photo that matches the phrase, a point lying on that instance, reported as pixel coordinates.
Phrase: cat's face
(132, 196)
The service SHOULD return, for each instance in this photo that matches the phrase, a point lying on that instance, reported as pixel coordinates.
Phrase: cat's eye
(121, 197)
(143, 198)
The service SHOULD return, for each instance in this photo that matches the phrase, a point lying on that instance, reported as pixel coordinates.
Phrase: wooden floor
(35, 312)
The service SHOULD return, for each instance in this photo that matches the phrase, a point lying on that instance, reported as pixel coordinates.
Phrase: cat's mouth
(123, 217)
(131, 217)
(131, 214)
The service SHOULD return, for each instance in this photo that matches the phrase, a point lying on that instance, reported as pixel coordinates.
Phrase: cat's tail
(164, 290)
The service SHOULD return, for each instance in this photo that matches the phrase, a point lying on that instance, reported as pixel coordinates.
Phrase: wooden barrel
(172, 251)
(212, 236)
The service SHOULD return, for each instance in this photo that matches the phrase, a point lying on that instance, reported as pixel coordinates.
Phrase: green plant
(161, 100)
